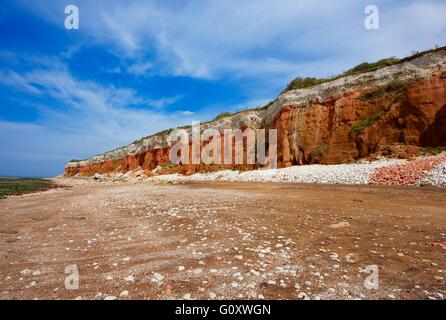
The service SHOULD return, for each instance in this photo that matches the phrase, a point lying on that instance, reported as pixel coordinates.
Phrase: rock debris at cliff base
(426, 170)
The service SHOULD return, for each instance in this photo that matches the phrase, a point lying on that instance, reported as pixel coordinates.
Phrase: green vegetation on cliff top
(303, 83)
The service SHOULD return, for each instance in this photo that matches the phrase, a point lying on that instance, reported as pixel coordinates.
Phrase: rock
(187, 296)
(212, 295)
(181, 268)
(340, 225)
(334, 256)
(129, 279)
(302, 296)
(255, 272)
(26, 272)
(124, 294)
(157, 277)
(98, 177)
(110, 298)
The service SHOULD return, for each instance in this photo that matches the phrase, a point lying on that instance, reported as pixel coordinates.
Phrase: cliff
(393, 110)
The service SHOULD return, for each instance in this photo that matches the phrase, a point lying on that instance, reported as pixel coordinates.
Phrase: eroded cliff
(394, 110)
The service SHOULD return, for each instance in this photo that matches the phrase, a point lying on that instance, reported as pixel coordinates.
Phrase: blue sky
(137, 67)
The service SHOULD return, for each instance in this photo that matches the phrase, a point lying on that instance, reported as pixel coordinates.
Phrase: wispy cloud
(257, 38)
(83, 117)
(140, 69)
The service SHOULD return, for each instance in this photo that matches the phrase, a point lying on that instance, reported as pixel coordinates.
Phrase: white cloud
(82, 119)
(185, 113)
(262, 38)
(140, 69)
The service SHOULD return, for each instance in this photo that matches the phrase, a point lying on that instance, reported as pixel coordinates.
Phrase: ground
(224, 240)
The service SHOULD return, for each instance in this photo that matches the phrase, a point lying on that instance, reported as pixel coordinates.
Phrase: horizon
(136, 69)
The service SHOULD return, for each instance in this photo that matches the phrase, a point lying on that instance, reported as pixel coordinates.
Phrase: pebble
(157, 277)
(302, 296)
(197, 271)
(187, 296)
(340, 225)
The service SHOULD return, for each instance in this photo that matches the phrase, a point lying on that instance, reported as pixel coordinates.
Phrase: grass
(396, 87)
(430, 151)
(13, 186)
(302, 83)
(368, 67)
(143, 138)
(222, 115)
(363, 124)
(319, 151)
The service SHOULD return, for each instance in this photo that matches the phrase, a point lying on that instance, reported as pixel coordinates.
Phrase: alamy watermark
(372, 281)
(72, 18)
(72, 277)
(371, 22)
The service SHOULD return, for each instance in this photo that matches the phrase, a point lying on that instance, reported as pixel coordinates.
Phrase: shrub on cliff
(396, 87)
(222, 115)
(319, 151)
(430, 151)
(367, 67)
(363, 124)
(302, 83)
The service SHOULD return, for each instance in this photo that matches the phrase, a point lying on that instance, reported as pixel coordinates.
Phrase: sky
(134, 68)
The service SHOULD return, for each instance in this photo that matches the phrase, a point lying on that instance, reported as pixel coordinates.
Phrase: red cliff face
(393, 111)
(324, 132)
